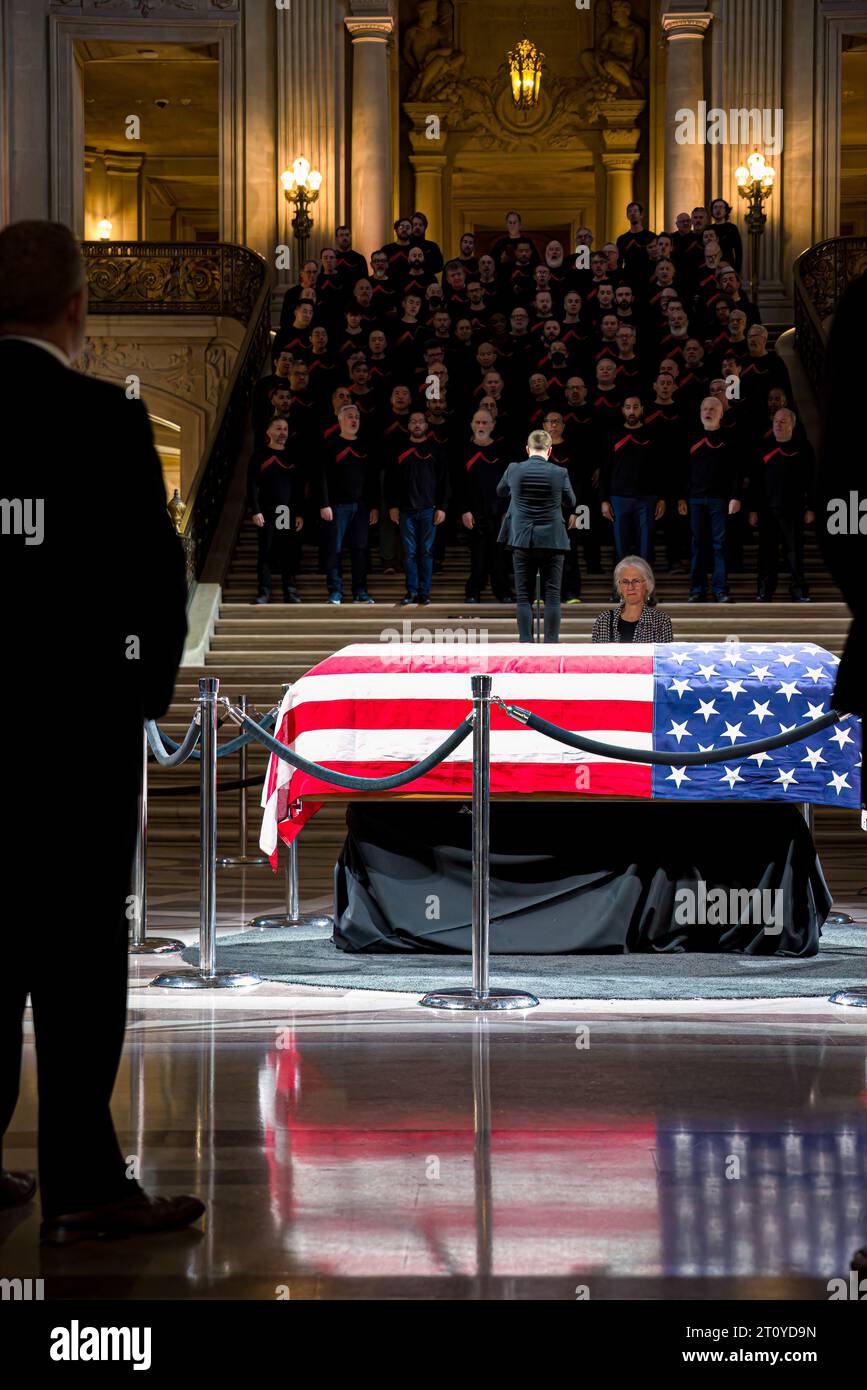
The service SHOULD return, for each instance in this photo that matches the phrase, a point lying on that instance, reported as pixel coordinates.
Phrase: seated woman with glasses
(637, 619)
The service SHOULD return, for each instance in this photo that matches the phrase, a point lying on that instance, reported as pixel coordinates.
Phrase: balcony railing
(215, 279)
(821, 275)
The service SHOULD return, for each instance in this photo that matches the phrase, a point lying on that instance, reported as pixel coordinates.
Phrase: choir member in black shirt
(631, 490)
(347, 491)
(262, 408)
(296, 337)
(517, 282)
(781, 505)
(398, 250)
(730, 284)
(366, 397)
(307, 281)
(321, 364)
(479, 467)
(351, 265)
(692, 384)
(711, 493)
(763, 369)
(275, 489)
(384, 289)
(564, 455)
(416, 489)
(607, 399)
(408, 330)
(418, 277)
(454, 285)
(380, 363)
(665, 423)
(354, 334)
(504, 249)
(467, 254)
(433, 256)
(632, 245)
(727, 234)
(305, 415)
(558, 271)
(478, 308)
(687, 250)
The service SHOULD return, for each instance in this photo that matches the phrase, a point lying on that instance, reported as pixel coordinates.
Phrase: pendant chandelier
(525, 72)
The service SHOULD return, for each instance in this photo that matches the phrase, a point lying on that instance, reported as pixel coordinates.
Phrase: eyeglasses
(632, 583)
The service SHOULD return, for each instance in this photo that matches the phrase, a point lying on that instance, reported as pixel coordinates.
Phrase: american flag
(721, 694)
(374, 709)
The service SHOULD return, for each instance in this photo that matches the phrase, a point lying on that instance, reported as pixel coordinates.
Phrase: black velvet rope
(159, 742)
(650, 755)
(361, 784)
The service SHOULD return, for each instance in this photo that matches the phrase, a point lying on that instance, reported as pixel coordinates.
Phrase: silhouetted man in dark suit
(533, 530)
(841, 516)
(96, 622)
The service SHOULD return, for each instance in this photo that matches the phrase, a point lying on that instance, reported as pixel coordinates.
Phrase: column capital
(624, 140)
(621, 113)
(620, 162)
(369, 28)
(685, 24)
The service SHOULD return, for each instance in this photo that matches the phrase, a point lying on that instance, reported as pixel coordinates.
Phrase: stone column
(619, 171)
(749, 77)
(620, 137)
(123, 174)
(428, 141)
(684, 32)
(310, 55)
(371, 218)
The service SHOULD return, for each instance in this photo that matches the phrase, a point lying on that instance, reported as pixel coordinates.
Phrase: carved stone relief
(614, 69)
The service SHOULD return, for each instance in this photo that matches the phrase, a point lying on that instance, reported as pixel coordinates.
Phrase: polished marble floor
(352, 1145)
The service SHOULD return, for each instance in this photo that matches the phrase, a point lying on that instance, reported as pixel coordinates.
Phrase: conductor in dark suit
(95, 624)
(534, 531)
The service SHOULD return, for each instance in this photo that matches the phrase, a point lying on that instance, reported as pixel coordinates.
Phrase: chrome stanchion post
(242, 858)
(140, 944)
(207, 976)
(293, 916)
(480, 996)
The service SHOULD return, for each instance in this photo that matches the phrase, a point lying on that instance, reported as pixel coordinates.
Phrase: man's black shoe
(723, 598)
(16, 1189)
(424, 603)
(411, 601)
(262, 598)
(140, 1216)
(291, 596)
(697, 598)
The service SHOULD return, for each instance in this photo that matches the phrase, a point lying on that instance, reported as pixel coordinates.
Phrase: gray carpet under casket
(302, 957)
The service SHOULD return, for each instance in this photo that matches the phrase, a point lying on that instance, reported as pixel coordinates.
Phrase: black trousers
(280, 547)
(776, 526)
(487, 559)
(79, 1001)
(548, 564)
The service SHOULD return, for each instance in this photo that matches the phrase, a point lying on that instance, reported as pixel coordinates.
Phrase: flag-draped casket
(373, 709)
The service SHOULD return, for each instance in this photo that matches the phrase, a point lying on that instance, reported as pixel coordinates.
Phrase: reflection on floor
(355, 1145)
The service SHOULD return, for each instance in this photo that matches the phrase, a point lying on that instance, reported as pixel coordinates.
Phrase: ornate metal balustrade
(821, 275)
(217, 279)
